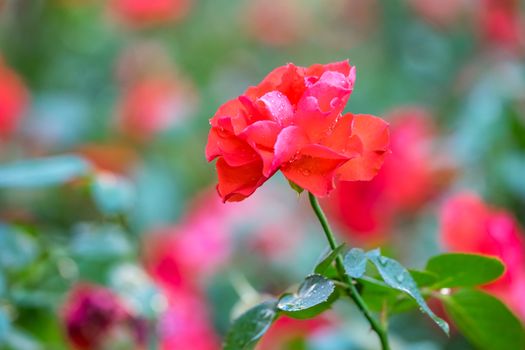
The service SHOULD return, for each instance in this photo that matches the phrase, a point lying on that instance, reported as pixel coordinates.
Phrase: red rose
(292, 122)
(469, 225)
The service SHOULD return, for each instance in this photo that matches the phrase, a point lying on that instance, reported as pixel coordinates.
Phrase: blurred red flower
(92, 313)
(143, 13)
(502, 23)
(152, 105)
(410, 177)
(470, 225)
(13, 100)
(292, 121)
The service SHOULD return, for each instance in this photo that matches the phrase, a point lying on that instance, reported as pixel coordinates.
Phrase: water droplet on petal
(383, 261)
(306, 172)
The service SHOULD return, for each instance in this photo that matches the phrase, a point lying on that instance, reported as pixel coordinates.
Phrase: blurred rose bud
(111, 157)
(147, 13)
(277, 23)
(94, 316)
(470, 225)
(501, 23)
(13, 100)
(154, 105)
(412, 174)
(442, 13)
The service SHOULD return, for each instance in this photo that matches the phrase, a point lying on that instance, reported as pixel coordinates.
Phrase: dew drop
(400, 278)
(383, 261)
(306, 172)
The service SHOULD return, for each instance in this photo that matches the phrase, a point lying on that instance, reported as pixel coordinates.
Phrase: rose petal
(342, 67)
(278, 107)
(261, 136)
(288, 144)
(341, 139)
(231, 116)
(234, 150)
(237, 183)
(314, 169)
(373, 133)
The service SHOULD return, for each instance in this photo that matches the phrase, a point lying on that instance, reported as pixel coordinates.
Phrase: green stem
(351, 290)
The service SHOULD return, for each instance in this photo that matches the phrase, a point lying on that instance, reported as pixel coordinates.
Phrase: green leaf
(296, 187)
(112, 194)
(485, 320)
(314, 295)
(248, 329)
(398, 277)
(464, 270)
(43, 171)
(325, 263)
(355, 263)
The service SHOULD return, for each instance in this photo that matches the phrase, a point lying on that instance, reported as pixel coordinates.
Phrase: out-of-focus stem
(351, 290)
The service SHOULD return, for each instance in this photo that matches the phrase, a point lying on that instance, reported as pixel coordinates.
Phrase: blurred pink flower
(13, 100)
(412, 175)
(91, 314)
(181, 255)
(145, 13)
(186, 324)
(470, 225)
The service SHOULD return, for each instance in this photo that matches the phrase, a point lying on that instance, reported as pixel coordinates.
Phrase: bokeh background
(111, 233)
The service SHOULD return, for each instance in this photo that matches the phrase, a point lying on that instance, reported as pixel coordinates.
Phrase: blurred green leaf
(355, 263)
(138, 290)
(398, 277)
(248, 329)
(2, 283)
(18, 248)
(423, 278)
(485, 320)
(18, 339)
(43, 171)
(329, 258)
(314, 296)
(464, 270)
(112, 194)
(96, 242)
(5, 326)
